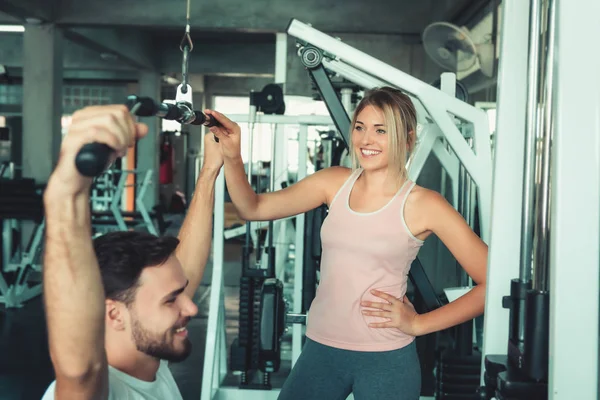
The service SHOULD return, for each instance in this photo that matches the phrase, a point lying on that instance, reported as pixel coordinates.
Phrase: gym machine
(523, 371)
(457, 369)
(93, 158)
(264, 313)
(438, 134)
(262, 308)
(20, 201)
(107, 207)
(556, 292)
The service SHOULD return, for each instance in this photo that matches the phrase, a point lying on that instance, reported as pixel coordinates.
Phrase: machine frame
(439, 134)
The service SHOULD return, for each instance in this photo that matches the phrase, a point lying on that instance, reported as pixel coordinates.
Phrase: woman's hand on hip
(400, 313)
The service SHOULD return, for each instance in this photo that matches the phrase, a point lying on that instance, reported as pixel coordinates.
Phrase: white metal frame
(506, 212)
(430, 136)
(113, 197)
(437, 123)
(439, 106)
(215, 359)
(433, 108)
(574, 272)
(575, 201)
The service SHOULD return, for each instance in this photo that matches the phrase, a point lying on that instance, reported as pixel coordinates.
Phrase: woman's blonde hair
(401, 125)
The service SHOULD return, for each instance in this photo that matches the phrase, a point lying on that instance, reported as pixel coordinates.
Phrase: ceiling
(144, 34)
(351, 16)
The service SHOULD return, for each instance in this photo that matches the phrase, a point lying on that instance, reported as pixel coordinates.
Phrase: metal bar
(299, 259)
(223, 339)
(231, 393)
(346, 94)
(251, 124)
(369, 82)
(461, 274)
(318, 120)
(6, 243)
(506, 210)
(428, 138)
(477, 164)
(281, 52)
(272, 178)
(370, 64)
(220, 364)
(140, 203)
(250, 234)
(115, 203)
(332, 101)
(4, 290)
(450, 166)
(436, 102)
(279, 167)
(528, 205)
(25, 293)
(540, 277)
(575, 199)
(216, 295)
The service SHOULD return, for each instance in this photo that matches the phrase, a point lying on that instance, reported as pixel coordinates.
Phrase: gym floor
(26, 369)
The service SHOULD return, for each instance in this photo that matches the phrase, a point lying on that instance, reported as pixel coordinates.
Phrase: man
(117, 307)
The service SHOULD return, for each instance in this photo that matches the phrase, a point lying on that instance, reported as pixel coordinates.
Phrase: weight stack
(244, 350)
(457, 376)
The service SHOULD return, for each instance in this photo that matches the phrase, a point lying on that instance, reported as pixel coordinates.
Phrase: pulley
(269, 100)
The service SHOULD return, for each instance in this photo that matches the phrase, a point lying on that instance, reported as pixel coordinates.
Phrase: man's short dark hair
(122, 256)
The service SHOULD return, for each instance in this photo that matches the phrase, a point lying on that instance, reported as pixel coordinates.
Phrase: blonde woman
(361, 327)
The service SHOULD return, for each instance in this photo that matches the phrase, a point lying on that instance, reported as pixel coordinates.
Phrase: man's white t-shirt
(126, 387)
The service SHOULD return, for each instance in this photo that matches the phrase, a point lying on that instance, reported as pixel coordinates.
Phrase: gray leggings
(327, 373)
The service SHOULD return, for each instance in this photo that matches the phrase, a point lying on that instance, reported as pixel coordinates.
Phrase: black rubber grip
(92, 159)
(206, 120)
(212, 121)
(173, 112)
(147, 107)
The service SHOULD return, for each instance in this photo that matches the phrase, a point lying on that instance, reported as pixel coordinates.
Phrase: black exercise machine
(262, 310)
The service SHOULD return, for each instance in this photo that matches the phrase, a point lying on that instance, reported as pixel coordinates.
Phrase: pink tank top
(361, 251)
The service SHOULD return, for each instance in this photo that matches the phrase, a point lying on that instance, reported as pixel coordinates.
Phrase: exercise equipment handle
(203, 119)
(180, 111)
(92, 158)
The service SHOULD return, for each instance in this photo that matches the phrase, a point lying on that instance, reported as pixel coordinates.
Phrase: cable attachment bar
(186, 46)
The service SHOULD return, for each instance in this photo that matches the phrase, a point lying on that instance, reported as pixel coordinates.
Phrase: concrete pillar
(42, 99)
(147, 148)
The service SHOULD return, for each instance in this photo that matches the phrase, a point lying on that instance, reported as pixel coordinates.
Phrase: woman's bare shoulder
(423, 201)
(332, 179)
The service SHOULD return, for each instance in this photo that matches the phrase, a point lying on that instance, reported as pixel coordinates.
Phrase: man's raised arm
(196, 232)
(73, 291)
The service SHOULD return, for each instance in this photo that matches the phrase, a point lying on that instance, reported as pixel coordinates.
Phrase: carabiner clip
(186, 38)
(186, 47)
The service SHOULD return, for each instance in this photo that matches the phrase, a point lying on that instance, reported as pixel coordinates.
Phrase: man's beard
(157, 345)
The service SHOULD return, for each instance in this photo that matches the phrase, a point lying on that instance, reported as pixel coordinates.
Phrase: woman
(361, 327)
